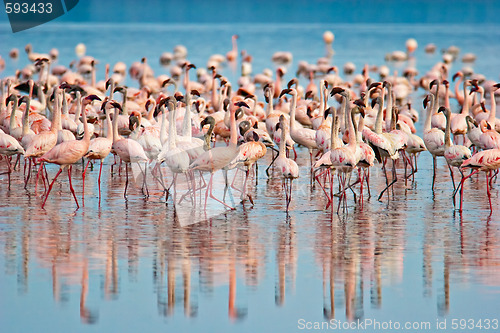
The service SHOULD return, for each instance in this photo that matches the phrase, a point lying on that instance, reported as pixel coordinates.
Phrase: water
(130, 265)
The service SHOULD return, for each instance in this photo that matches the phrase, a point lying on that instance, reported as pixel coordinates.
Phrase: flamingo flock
(50, 113)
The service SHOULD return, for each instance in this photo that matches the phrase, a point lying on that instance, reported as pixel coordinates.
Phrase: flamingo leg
(433, 171)
(453, 182)
(209, 187)
(50, 187)
(395, 178)
(83, 181)
(99, 183)
(9, 170)
(126, 181)
(462, 187)
(488, 190)
(71, 186)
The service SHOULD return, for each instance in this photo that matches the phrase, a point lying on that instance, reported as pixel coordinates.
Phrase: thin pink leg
(99, 183)
(50, 186)
(83, 181)
(71, 186)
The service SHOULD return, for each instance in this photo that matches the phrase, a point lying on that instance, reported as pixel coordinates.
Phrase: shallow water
(133, 264)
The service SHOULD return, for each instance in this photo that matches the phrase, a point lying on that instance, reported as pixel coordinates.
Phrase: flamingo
(288, 168)
(487, 161)
(129, 151)
(459, 122)
(433, 137)
(217, 158)
(249, 152)
(100, 147)
(176, 158)
(383, 144)
(69, 152)
(455, 155)
(490, 139)
(233, 54)
(44, 141)
(344, 159)
(9, 146)
(302, 136)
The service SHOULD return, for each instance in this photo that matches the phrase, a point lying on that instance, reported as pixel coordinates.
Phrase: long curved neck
(109, 133)
(233, 139)
(215, 103)
(116, 137)
(26, 118)
(283, 139)
(493, 109)
(124, 103)
(447, 96)
(457, 92)
(56, 119)
(186, 123)
(86, 135)
(380, 113)
(172, 137)
(361, 126)
(447, 132)
(465, 106)
(350, 125)
(78, 107)
(435, 106)
(293, 106)
(163, 127)
(64, 103)
(322, 104)
(12, 123)
(427, 125)
(388, 109)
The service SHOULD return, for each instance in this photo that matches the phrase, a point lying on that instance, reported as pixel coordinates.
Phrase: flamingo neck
(293, 106)
(86, 135)
(26, 120)
(124, 103)
(12, 123)
(388, 109)
(233, 139)
(447, 96)
(283, 139)
(493, 109)
(380, 113)
(186, 123)
(172, 135)
(215, 104)
(447, 132)
(427, 125)
(56, 119)
(465, 106)
(457, 93)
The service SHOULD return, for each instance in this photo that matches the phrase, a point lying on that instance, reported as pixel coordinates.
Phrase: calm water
(134, 265)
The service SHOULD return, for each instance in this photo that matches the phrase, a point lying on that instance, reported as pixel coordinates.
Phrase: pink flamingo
(344, 159)
(233, 54)
(9, 146)
(302, 136)
(217, 158)
(100, 147)
(433, 137)
(69, 152)
(454, 154)
(129, 151)
(287, 167)
(490, 139)
(487, 161)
